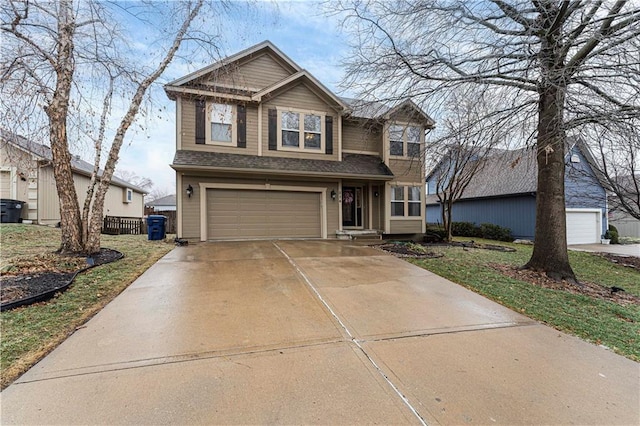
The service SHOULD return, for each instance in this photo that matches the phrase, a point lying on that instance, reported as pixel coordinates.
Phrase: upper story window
(301, 131)
(221, 123)
(404, 141)
(396, 139)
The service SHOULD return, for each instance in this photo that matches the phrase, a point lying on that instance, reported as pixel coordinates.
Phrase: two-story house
(265, 150)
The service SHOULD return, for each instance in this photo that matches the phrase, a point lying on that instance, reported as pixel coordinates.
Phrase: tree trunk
(550, 249)
(448, 215)
(57, 111)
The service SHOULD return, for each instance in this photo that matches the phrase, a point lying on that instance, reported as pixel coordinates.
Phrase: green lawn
(29, 333)
(598, 321)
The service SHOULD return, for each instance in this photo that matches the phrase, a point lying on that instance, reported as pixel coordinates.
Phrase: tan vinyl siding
(406, 116)
(298, 98)
(406, 226)
(355, 137)
(189, 132)
(407, 170)
(20, 170)
(5, 184)
(49, 211)
(191, 206)
(48, 204)
(257, 73)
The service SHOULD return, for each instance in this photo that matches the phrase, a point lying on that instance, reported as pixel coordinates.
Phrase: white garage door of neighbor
(582, 228)
(233, 214)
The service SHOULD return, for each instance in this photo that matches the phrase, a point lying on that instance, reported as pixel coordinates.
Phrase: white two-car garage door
(237, 214)
(583, 227)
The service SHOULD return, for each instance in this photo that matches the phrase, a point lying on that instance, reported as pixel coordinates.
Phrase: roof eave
(183, 167)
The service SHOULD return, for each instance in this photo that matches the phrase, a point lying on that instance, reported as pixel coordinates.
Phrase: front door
(352, 206)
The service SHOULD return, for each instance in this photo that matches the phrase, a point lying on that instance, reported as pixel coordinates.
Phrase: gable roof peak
(262, 46)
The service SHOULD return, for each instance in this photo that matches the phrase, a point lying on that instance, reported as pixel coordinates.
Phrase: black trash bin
(156, 227)
(11, 210)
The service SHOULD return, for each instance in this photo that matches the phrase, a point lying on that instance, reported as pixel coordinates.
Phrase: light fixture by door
(189, 191)
(333, 194)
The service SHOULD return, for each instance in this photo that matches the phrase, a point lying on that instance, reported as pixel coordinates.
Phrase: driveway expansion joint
(355, 341)
(168, 360)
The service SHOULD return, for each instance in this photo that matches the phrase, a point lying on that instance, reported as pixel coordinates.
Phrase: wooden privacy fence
(115, 225)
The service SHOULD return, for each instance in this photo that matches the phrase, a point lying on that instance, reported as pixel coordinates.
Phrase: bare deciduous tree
(615, 148)
(64, 61)
(559, 64)
(132, 178)
(467, 135)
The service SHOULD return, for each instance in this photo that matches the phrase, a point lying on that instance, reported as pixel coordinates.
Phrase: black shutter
(201, 119)
(328, 141)
(242, 126)
(273, 130)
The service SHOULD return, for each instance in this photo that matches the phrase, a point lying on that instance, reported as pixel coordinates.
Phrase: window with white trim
(397, 201)
(404, 141)
(221, 123)
(413, 141)
(301, 131)
(396, 140)
(414, 200)
(406, 201)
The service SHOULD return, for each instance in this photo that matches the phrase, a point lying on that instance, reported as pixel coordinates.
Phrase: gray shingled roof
(44, 152)
(509, 172)
(369, 166)
(366, 109)
(169, 200)
(505, 173)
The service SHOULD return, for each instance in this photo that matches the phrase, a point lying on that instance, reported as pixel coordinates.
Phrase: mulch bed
(613, 294)
(404, 250)
(628, 261)
(40, 285)
(421, 250)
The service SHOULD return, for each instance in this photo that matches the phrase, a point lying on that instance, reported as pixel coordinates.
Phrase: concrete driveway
(618, 249)
(327, 332)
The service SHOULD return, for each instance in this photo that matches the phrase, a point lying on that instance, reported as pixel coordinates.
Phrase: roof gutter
(187, 168)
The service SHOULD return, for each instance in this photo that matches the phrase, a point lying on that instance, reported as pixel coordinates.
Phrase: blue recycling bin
(156, 227)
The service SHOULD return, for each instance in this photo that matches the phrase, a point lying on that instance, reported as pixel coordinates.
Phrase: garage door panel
(582, 227)
(262, 214)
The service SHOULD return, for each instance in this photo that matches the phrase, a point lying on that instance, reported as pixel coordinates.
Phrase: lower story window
(397, 201)
(414, 201)
(405, 201)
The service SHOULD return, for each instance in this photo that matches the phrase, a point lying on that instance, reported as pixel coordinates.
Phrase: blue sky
(299, 29)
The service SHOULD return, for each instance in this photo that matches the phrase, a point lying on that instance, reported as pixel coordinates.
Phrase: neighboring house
(264, 150)
(163, 204)
(26, 174)
(503, 193)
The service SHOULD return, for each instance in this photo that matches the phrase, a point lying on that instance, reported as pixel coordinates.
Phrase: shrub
(465, 229)
(495, 232)
(615, 236)
(435, 234)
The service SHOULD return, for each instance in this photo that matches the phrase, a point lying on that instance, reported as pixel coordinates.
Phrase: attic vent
(575, 158)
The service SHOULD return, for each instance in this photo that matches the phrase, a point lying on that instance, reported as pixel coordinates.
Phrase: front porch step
(359, 234)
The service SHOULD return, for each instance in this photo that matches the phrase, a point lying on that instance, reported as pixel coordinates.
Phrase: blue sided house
(503, 193)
